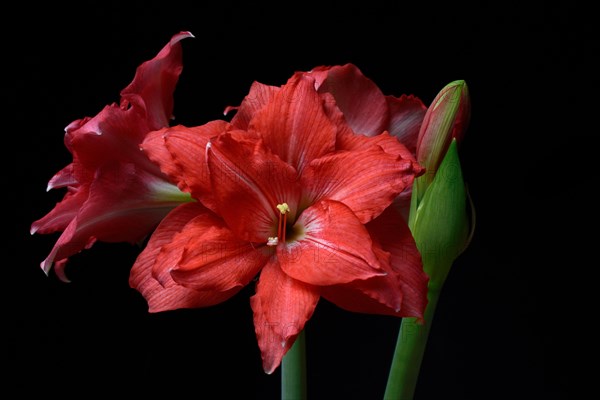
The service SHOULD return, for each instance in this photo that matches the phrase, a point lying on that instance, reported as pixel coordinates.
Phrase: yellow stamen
(283, 209)
(273, 241)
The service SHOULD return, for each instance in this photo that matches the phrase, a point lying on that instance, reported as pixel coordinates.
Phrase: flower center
(284, 209)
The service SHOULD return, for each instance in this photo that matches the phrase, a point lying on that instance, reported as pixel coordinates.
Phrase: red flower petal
(377, 295)
(249, 182)
(364, 106)
(188, 148)
(213, 259)
(406, 117)
(107, 147)
(62, 214)
(156, 150)
(63, 178)
(169, 295)
(180, 153)
(112, 135)
(257, 98)
(120, 208)
(333, 247)
(294, 125)
(151, 91)
(393, 235)
(403, 291)
(281, 308)
(388, 143)
(367, 181)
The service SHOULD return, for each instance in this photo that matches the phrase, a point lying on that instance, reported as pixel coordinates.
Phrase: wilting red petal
(120, 208)
(294, 125)
(169, 295)
(256, 99)
(281, 308)
(213, 259)
(406, 117)
(367, 181)
(106, 147)
(62, 214)
(364, 106)
(63, 178)
(151, 91)
(114, 135)
(393, 235)
(68, 243)
(332, 247)
(249, 182)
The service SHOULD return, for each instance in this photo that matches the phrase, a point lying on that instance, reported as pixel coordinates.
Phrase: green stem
(293, 371)
(410, 348)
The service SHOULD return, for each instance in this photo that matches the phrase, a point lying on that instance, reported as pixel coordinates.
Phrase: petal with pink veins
(329, 246)
(169, 295)
(294, 124)
(248, 182)
(358, 296)
(254, 101)
(180, 152)
(156, 150)
(213, 259)
(367, 181)
(281, 306)
(393, 235)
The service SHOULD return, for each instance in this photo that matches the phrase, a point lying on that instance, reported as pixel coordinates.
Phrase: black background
(506, 325)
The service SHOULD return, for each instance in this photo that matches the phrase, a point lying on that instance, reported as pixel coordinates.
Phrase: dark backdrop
(504, 325)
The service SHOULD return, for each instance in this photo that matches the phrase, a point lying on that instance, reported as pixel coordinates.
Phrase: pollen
(283, 208)
(272, 241)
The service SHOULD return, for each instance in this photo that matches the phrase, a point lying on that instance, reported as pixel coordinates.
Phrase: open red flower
(114, 192)
(356, 105)
(290, 194)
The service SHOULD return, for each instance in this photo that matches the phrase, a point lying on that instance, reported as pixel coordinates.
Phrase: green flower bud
(439, 222)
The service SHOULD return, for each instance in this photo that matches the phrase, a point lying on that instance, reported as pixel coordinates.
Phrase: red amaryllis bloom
(291, 194)
(356, 103)
(115, 193)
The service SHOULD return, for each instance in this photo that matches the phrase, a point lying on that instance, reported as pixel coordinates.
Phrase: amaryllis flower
(289, 193)
(355, 103)
(114, 192)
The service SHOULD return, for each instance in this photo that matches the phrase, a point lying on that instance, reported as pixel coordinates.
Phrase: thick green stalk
(441, 230)
(293, 371)
(410, 348)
